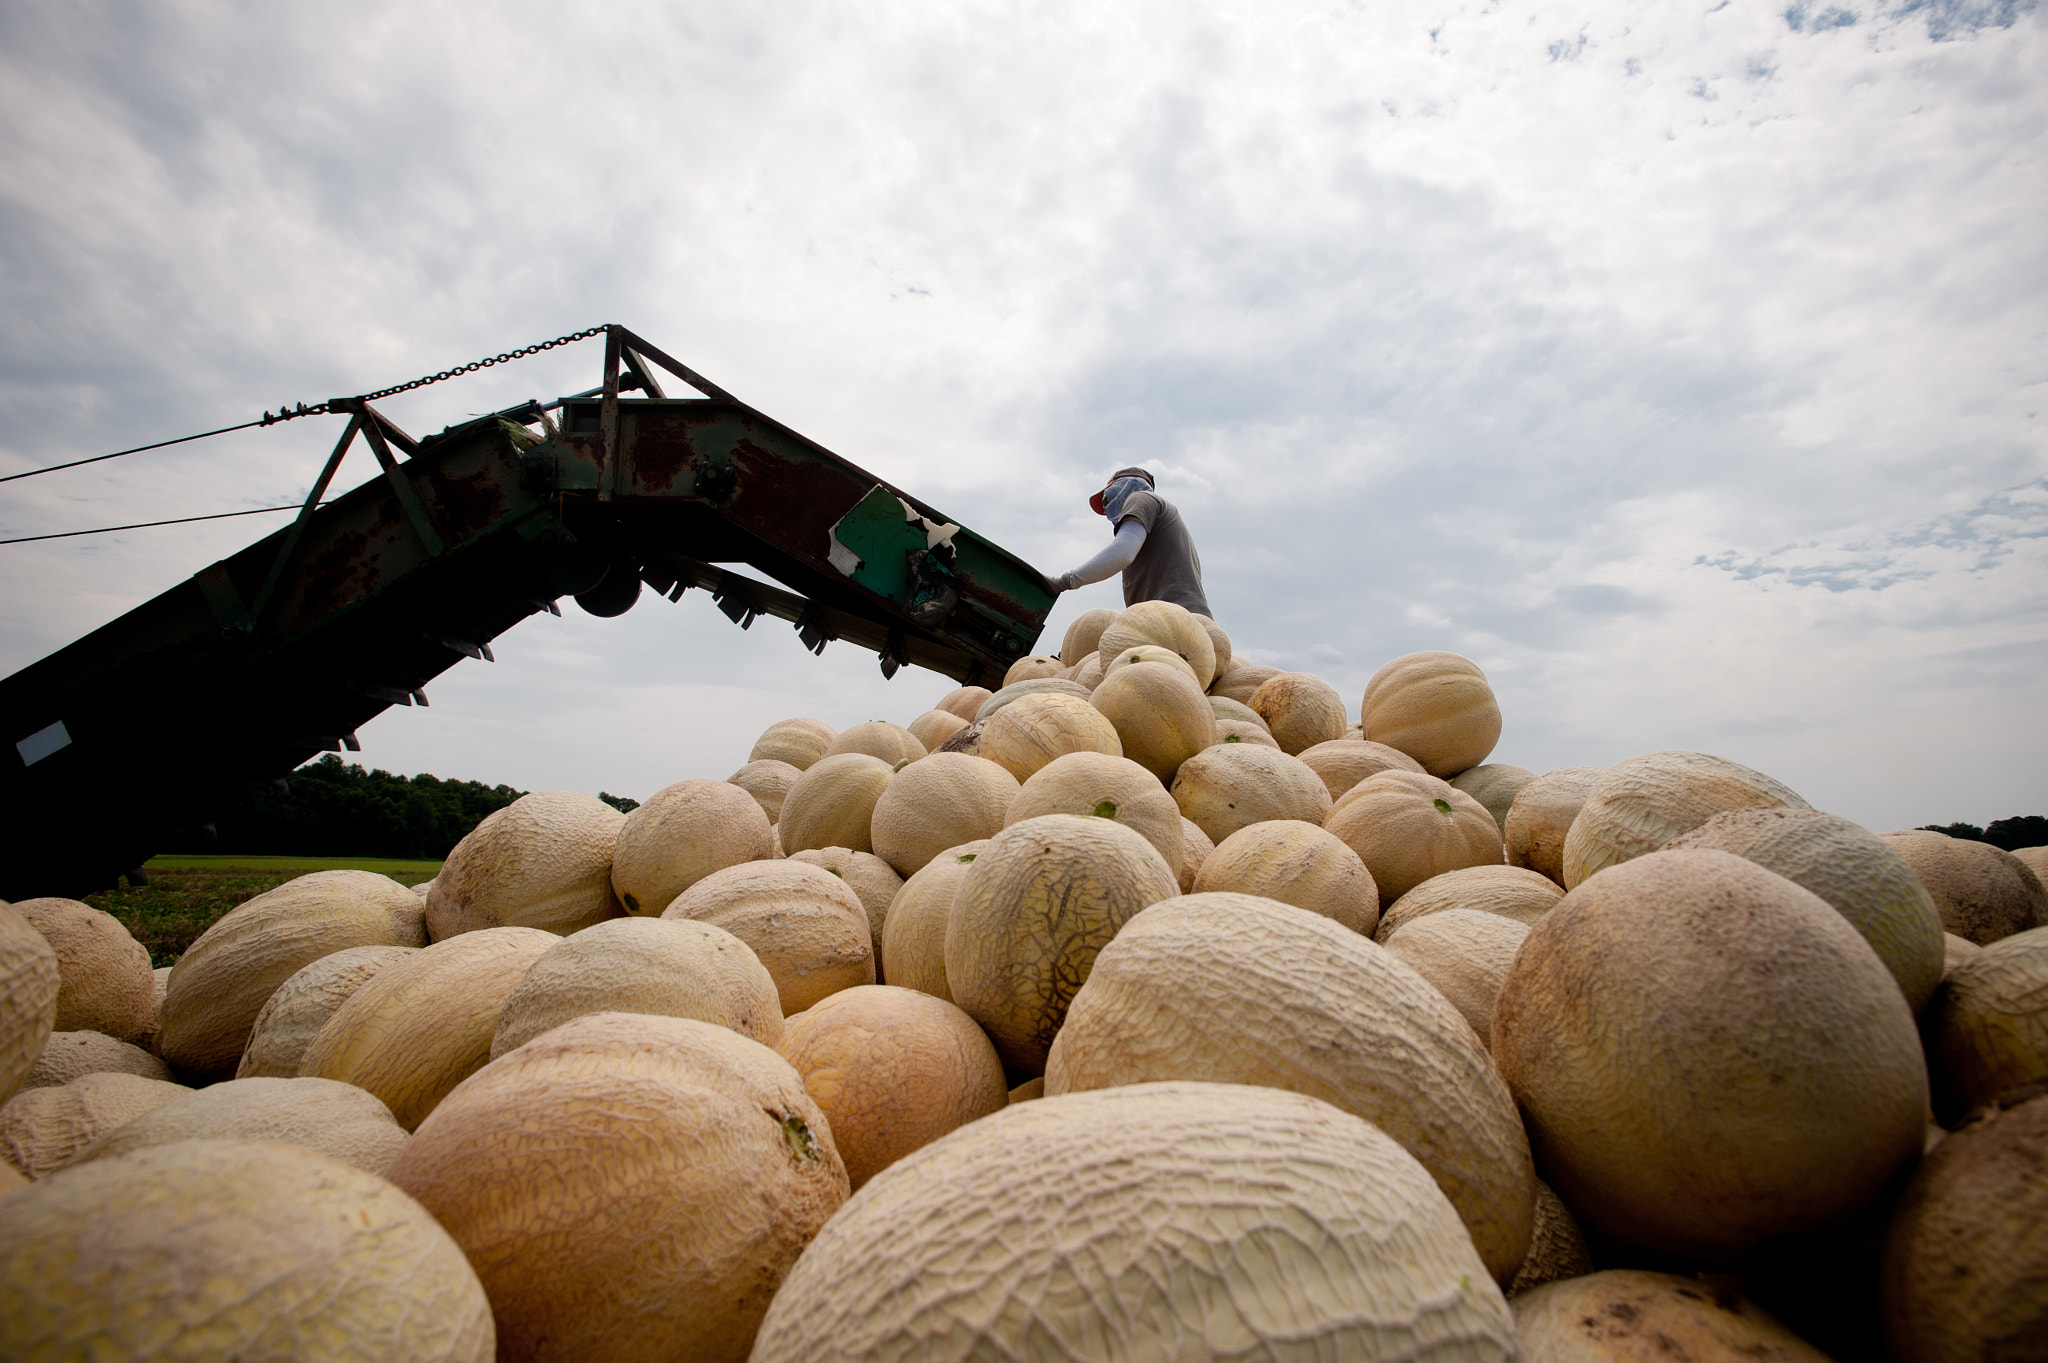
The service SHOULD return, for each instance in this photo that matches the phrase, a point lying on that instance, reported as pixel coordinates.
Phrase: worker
(1151, 546)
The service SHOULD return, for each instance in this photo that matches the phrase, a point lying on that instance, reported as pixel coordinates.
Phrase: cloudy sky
(1682, 364)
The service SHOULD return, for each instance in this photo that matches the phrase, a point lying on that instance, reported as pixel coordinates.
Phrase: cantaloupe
(892, 743)
(543, 861)
(67, 1055)
(1296, 863)
(42, 1129)
(681, 834)
(226, 976)
(934, 727)
(799, 742)
(1084, 635)
(1465, 953)
(833, 804)
(1300, 710)
(1623, 1315)
(1495, 785)
(1195, 851)
(1235, 785)
(873, 881)
(1219, 643)
(2035, 859)
(1034, 729)
(1038, 686)
(28, 998)
(1342, 763)
(1408, 826)
(420, 1026)
(1638, 805)
(893, 1070)
(914, 940)
(1165, 624)
(1042, 899)
(1236, 989)
(806, 924)
(339, 1120)
(1982, 892)
(1030, 1089)
(1866, 880)
(1108, 788)
(1557, 1247)
(1161, 717)
(664, 967)
(1032, 667)
(963, 701)
(1708, 1056)
(1087, 673)
(628, 1187)
(1542, 815)
(1510, 891)
(1987, 1031)
(1966, 1252)
(1190, 1221)
(945, 800)
(1226, 709)
(1146, 653)
(1436, 707)
(769, 782)
(1242, 680)
(1955, 951)
(105, 980)
(217, 1249)
(300, 1007)
(1236, 731)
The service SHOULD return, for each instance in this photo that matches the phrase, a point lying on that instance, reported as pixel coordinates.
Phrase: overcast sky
(1681, 364)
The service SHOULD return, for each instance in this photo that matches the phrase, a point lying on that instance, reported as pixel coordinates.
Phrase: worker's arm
(1118, 555)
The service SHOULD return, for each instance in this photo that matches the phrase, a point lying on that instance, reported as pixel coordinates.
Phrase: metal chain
(321, 409)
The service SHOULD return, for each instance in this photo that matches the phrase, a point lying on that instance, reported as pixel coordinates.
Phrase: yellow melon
(1853, 869)
(806, 924)
(1436, 707)
(873, 881)
(226, 976)
(1235, 989)
(1196, 849)
(892, 743)
(1161, 717)
(1084, 635)
(1146, 653)
(681, 834)
(1032, 667)
(628, 1187)
(1966, 1253)
(893, 1070)
(1510, 891)
(1038, 686)
(1987, 1032)
(1542, 815)
(945, 800)
(1167, 1220)
(339, 1120)
(232, 1249)
(1638, 805)
(1030, 732)
(1982, 892)
(799, 742)
(1623, 1315)
(1235, 785)
(934, 727)
(1407, 826)
(293, 1015)
(914, 940)
(1708, 1056)
(1344, 762)
(1108, 788)
(543, 861)
(1163, 623)
(1300, 710)
(28, 998)
(769, 782)
(105, 981)
(1042, 899)
(1495, 785)
(1242, 680)
(963, 701)
(420, 1026)
(833, 804)
(1465, 953)
(42, 1129)
(67, 1055)
(1296, 863)
(663, 967)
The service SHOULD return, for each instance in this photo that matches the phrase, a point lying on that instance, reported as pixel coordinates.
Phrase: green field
(186, 894)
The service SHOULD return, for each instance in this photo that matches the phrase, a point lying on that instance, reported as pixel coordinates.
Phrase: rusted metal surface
(230, 679)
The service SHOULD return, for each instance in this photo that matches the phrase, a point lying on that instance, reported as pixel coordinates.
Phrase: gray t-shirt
(1167, 567)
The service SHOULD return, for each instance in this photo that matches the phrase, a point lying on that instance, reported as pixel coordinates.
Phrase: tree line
(2024, 830)
(335, 809)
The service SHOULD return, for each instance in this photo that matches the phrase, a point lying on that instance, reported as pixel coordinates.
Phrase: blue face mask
(1116, 494)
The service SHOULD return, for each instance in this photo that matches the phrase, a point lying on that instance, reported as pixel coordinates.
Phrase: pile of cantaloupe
(1147, 1006)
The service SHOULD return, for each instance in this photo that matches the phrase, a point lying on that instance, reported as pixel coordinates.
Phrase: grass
(186, 894)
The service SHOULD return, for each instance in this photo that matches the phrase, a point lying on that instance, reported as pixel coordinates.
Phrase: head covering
(1110, 500)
